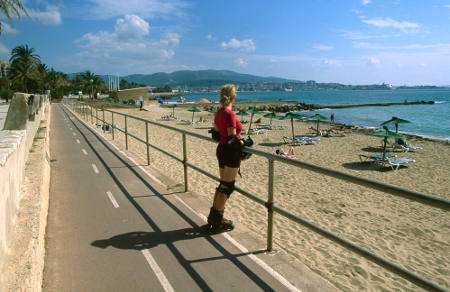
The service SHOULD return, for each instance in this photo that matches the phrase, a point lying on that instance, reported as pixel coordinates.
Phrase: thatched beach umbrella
(292, 116)
(193, 110)
(271, 116)
(253, 111)
(213, 110)
(173, 106)
(318, 117)
(242, 113)
(395, 121)
(386, 134)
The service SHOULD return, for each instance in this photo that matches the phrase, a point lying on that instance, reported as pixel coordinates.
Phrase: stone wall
(22, 122)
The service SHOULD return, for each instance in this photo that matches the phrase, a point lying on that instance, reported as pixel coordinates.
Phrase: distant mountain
(200, 78)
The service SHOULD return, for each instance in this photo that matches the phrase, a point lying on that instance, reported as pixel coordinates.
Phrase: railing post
(184, 163)
(126, 133)
(146, 142)
(103, 128)
(92, 108)
(269, 206)
(96, 116)
(112, 124)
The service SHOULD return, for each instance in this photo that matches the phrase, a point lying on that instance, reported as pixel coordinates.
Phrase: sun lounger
(256, 131)
(300, 140)
(169, 118)
(322, 132)
(396, 163)
(187, 122)
(400, 143)
(271, 127)
(375, 158)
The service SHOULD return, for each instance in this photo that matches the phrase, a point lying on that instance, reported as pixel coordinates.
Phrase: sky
(398, 42)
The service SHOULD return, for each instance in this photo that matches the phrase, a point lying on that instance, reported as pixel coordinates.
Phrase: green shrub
(6, 94)
(56, 93)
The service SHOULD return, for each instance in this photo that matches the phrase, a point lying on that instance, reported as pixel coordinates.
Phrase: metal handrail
(271, 207)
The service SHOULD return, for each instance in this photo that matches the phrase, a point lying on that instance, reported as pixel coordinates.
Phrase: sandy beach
(410, 234)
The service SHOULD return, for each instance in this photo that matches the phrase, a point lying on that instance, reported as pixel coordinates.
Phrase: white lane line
(74, 133)
(84, 151)
(157, 270)
(95, 168)
(71, 129)
(78, 141)
(113, 200)
(253, 257)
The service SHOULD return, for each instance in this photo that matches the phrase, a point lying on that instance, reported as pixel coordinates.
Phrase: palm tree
(57, 79)
(21, 73)
(10, 9)
(24, 54)
(90, 82)
(24, 64)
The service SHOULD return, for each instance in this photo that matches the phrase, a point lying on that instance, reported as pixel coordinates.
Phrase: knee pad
(226, 187)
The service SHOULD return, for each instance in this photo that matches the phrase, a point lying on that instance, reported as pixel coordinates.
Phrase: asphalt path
(109, 229)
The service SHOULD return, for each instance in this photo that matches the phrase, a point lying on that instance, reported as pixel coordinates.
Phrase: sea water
(431, 120)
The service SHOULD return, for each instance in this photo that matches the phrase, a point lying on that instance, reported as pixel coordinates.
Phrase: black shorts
(228, 156)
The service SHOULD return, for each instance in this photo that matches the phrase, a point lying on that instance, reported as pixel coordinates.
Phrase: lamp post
(92, 89)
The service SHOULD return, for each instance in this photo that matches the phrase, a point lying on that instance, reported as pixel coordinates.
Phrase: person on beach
(227, 131)
(332, 118)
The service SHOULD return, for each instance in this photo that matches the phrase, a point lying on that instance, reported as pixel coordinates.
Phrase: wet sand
(410, 234)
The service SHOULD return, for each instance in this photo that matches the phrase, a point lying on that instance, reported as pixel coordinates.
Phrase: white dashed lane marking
(95, 168)
(84, 151)
(157, 270)
(113, 200)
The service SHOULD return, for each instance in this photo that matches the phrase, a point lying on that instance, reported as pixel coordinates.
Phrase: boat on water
(181, 99)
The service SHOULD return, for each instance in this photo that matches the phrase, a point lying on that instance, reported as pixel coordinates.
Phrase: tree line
(26, 73)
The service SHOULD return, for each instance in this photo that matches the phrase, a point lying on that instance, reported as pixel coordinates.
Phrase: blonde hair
(227, 94)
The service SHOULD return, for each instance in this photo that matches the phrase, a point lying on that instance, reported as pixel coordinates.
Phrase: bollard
(126, 134)
(146, 142)
(184, 163)
(269, 206)
(112, 124)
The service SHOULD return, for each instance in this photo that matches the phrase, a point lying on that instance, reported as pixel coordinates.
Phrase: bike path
(109, 229)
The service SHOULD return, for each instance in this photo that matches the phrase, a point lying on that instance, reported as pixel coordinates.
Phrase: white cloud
(50, 17)
(6, 28)
(373, 60)
(356, 35)
(331, 62)
(241, 62)
(131, 27)
(105, 9)
(209, 37)
(389, 22)
(4, 50)
(372, 46)
(129, 47)
(322, 47)
(244, 45)
(447, 6)
(365, 2)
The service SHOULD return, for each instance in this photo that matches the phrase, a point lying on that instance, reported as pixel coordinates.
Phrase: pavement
(3, 113)
(112, 227)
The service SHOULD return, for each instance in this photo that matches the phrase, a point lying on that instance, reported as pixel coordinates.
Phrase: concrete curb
(38, 261)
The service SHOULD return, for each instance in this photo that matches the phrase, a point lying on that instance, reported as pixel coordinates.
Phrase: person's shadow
(140, 240)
